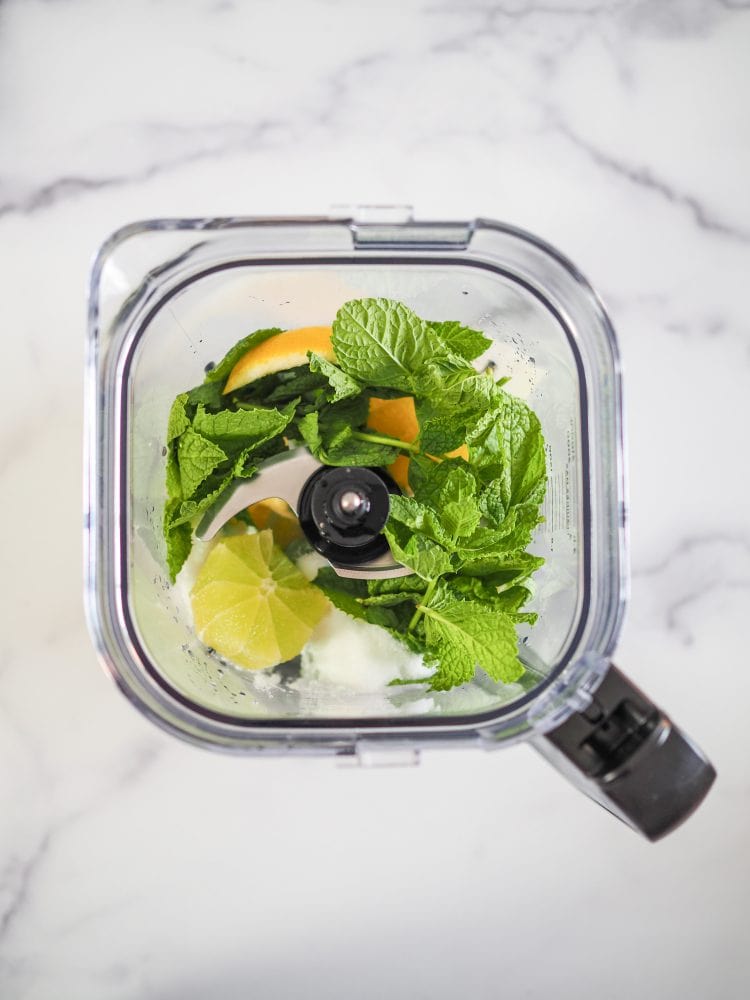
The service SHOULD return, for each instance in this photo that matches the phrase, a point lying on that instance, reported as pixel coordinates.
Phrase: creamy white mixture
(357, 655)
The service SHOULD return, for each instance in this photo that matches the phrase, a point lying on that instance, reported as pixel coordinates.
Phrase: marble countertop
(134, 866)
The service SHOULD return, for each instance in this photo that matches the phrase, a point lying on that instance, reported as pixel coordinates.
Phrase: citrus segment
(395, 417)
(279, 353)
(251, 603)
(278, 518)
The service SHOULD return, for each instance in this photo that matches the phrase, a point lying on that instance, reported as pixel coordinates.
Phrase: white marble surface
(133, 866)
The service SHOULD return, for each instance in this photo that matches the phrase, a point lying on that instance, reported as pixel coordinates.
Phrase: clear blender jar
(169, 297)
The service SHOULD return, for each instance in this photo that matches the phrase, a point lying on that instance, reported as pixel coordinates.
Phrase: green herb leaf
(209, 394)
(460, 339)
(462, 395)
(380, 342)
(503, 568)
(417, 517)
(173, 483)
(178, 418)
(209, 494)
(491, 503)
(427, 478)
(460, 519)
(463, 634)
(280, 386)
(509, 601)
(342, 592)
(309, 428)
(389, 600)
(342, 386)
(333, 442)
(197, 458)
(420, 553)
(507, 444)
(396, 585)
(449, 488)
(179, 542)
(440, 435)
(232, 429)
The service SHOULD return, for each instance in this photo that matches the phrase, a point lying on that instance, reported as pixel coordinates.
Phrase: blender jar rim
(107, 571)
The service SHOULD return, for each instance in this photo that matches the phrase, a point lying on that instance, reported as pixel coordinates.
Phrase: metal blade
(281, 477)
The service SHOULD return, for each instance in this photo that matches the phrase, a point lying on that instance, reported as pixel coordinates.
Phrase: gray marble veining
(131, 865)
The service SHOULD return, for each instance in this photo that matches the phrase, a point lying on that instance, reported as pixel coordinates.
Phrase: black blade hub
(343, 512)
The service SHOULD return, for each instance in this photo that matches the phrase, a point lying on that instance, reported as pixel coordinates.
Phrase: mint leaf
(460, 339)
(197, 458)
(243, 467)
(348, 450)
(309, 428)
(417, 517)
(173, 483)
(178, 418)
(480, 589)
(389, 600)
(277, 387)
(502, 567)
(507, 444)
(458, 484)
(179, 542)
(491, 503)
(380, 342)
(463, 634)
(221, 371)
(208, 393)
(333, 442)
(344, 593)
(462, 396)
(240, 428)
(396, 585)
(449, 488)
(342, 386)
(441, 434)
(428, 559)
(455, 665)
(460, 519)
(206, 497)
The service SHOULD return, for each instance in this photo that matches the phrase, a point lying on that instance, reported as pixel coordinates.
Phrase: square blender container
(169, 297)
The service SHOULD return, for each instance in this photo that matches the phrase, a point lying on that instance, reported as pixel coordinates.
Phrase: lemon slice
(279, 353)
(251, 603)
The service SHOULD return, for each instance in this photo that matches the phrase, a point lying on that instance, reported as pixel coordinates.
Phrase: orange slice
(276, 515)
(277, 354)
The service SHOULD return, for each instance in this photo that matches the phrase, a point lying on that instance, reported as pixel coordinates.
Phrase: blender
(169, 297)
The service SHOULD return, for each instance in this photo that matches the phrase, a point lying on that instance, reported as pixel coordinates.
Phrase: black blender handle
(625, 753)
